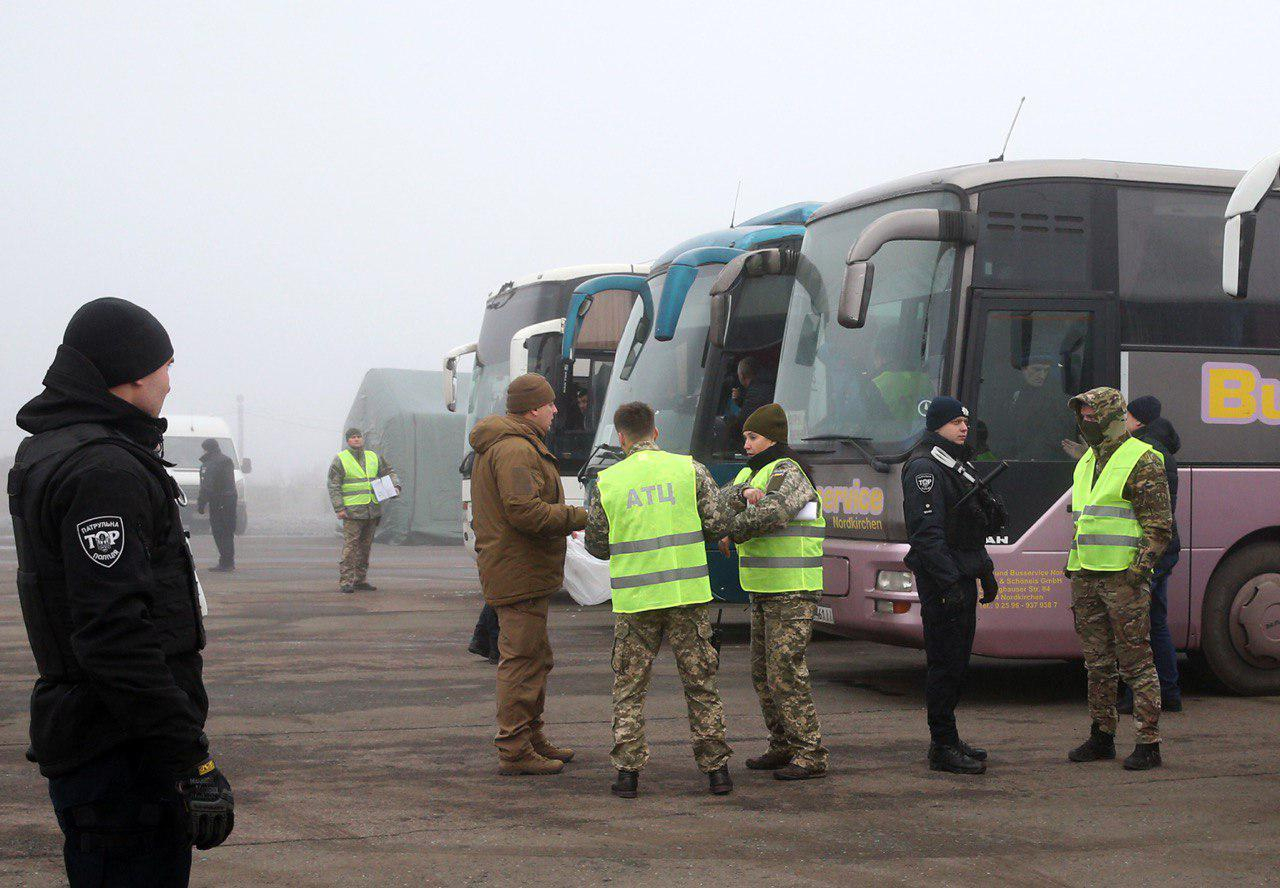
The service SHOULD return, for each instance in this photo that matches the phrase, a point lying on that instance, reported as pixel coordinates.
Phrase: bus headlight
(895, 581)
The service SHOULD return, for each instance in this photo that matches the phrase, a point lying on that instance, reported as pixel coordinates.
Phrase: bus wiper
(875, 461)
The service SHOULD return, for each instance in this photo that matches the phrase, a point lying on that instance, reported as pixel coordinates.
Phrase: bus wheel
(1241, 622)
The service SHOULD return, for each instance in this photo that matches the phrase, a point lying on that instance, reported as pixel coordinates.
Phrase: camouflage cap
(1109, 409)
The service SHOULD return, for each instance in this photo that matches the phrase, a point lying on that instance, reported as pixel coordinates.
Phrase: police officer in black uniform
(948, 556)
(113, 610)
(218, 495)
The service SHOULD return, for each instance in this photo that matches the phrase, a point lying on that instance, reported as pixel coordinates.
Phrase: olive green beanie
(769, 421)
(528, 392)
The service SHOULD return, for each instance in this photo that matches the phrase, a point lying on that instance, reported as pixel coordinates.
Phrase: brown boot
(530, 764)
(770, 761)
(545, 748)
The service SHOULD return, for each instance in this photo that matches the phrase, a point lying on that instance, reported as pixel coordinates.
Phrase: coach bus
(1012, 286)
(667, 359)
(520, 333)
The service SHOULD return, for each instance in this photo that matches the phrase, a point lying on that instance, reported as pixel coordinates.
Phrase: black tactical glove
(990, 589)
(206, 796)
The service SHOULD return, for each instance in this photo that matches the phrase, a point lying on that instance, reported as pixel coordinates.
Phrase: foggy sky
(303, 192)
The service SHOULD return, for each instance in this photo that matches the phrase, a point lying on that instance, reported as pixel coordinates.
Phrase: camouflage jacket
(787, 492)
(1147, 487)
(337, 473)
(714, 513)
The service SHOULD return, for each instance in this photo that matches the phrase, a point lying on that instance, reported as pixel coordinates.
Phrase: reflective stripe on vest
(357, 489)
(1107, 533)
(657, 555)
(788, 559)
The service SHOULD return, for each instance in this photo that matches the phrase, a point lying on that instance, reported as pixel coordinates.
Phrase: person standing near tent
(351, 476)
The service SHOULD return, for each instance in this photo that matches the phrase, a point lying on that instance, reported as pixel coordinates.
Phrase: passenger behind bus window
(978, 435)
(1038, 416)
(750, 394)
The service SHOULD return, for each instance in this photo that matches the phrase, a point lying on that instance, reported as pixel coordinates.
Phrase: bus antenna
(733, 217)
(1009, 135)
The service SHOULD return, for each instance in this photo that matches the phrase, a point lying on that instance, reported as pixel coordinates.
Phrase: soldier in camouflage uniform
(654, 537)
(781, 619)
(1112, 606)
(358, 521)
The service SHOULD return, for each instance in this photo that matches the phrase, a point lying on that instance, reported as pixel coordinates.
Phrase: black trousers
(123, 823)
(950, 618)
(222, 521)
(487, 627)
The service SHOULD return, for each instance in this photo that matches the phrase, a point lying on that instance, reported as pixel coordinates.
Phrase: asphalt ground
(357, 732)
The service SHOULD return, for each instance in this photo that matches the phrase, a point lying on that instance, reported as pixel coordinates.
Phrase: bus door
(1027, 354)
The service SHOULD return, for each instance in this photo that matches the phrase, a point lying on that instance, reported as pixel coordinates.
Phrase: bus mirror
(246, 465)
(940, 226)
(451, 374)
(1241, 224)
(756, 263)
(720, 308)
(855, 294)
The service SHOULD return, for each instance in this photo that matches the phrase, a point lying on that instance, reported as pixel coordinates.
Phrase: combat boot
(627, 786)
(347, 589)
(545, 748)
(799, 772)
(530, 764)
(366, 586)
(953, 760)
(720, 782)
(977, 753)
(1144, 757)
(1099, 746)
(770, 761)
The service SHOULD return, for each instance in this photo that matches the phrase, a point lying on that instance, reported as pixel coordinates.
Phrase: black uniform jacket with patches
(932, 484)
(105, 580)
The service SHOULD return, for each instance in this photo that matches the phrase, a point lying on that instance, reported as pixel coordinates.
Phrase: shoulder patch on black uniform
(925, 482)
(102, 539)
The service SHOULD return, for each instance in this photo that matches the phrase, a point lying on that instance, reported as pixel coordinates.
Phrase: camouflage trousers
(357, 540)
(636, 641)
(781, 626)
(1113, 620)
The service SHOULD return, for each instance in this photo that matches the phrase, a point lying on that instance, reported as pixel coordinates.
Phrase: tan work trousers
(525, 660)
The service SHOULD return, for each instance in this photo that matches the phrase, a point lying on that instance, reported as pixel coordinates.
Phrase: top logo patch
(924, 482)
(102, 539)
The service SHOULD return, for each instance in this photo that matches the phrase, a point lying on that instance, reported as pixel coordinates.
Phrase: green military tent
(404, 419)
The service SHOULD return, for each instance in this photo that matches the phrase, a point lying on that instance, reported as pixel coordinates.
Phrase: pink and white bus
(972, 281)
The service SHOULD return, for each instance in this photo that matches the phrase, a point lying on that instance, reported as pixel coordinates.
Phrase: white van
(183, 447)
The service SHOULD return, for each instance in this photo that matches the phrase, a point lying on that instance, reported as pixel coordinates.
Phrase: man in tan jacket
(521, 521)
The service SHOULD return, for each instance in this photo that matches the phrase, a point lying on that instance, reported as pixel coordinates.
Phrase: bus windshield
(872, 382)
(505, 314)
(666, 375)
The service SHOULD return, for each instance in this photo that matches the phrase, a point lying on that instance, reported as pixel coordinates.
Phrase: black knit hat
(941, 411)
(769, 421)
(1146, 409)
(123, 341)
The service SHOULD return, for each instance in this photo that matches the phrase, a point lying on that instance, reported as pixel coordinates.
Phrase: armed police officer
(652, 518)
(779, 531)
(947, 525)
(113, 610)
(1124, 522)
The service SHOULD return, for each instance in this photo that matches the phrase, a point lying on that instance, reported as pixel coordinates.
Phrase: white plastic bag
(586, 578)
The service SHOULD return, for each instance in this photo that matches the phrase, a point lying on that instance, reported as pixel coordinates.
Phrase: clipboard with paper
(384, 489)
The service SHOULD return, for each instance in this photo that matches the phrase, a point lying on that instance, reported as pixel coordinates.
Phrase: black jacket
(930, 490)
(1161, 435)
(105, 580)
(217, 479)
